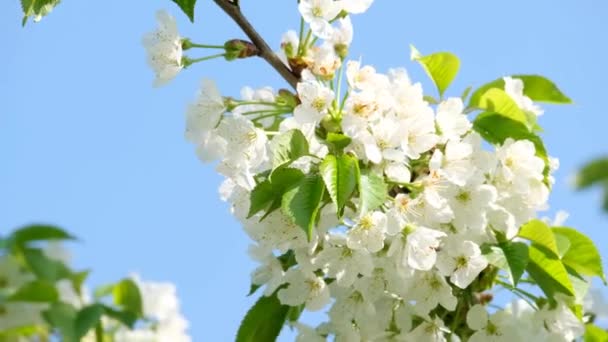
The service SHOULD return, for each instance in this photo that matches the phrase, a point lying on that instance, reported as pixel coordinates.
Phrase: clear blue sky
(88, 144)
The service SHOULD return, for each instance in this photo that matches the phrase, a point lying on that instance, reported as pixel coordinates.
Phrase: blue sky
(88, 144)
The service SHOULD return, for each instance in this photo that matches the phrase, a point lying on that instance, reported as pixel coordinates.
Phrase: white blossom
(318, 13)
(368, 233)
(461, 261)
(304, 288)
(164, 48)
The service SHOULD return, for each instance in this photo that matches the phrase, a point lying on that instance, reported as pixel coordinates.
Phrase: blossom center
(464, 196)
(317, 11)
(366, 223)
(461, 261)
(319, 104)
(492, 329)
(313, 285)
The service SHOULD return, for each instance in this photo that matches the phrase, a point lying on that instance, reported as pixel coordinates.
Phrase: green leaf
(538, 232)
(516, 254)
(187, 6)
(605, 200)
(541, 89)
(582, 256)
(294, 313)
(87, 318)
(103, 290)
(592, 173)
(563, 244)
(264, 321)
(466, 93)
(341, 176)
(125, 317)
(288, 147)
(537, 88)
(36, 291)
(37, 8)
(337, 142)
(78, 279)
(126, 294)
(372, 191)
(39, 232)
(44, 267)
(267, 194)
(548, 271)
(62, 317)
(441, 67)
(593, 333)
(260, 198)
(497, 101)
(302, 202)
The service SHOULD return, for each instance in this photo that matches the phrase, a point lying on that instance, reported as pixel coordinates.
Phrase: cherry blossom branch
(233, 10)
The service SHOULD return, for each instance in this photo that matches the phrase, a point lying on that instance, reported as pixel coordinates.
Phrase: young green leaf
(582, 256)
(497, 101)
(516, 254)
(126, 294)
(264, 321)
(548, 271)
(35, 291)
(341, 176)
(537, 88)
(187, 6)
(267, 194)
(288, 147)
(260, 198)
(541, 89)
(372, 190)
(441, 67)
(593, 333)
(539, 233)
(302, 202)
(87, 318)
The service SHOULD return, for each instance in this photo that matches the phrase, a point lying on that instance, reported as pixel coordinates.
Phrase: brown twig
(232, 9)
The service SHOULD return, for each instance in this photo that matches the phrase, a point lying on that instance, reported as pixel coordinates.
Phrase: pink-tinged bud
(238, 48)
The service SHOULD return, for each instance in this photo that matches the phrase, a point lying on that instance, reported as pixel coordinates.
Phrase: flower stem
(300, 42)
(205, 46)
(188, 61)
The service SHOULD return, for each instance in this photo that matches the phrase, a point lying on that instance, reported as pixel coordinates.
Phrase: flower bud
(341, 50)
(287, 98)
(238, 48)
(186, 44)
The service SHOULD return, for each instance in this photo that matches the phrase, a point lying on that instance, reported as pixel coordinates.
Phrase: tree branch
(232, 9)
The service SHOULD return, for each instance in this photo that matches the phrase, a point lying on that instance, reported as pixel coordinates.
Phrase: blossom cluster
(379, 204)
(26, 319)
